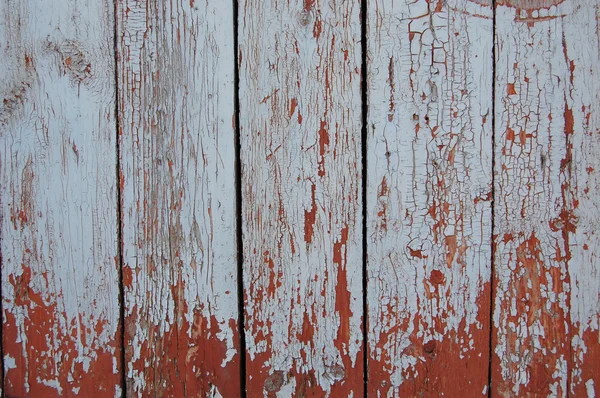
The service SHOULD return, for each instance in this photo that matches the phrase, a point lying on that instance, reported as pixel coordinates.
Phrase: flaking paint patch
(301, 196)
(57, 123)
(546, 306)
(176, 71)
(429, 198)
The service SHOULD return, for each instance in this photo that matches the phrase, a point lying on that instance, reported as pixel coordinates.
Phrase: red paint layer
(442, 366)
(177, 364)
(529, 282)
(49, 357)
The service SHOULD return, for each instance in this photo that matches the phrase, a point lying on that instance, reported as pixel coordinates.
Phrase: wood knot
(429, 347)
(73, 60)
(522, 4)
(335, 372)
(274, 382)
(532, 11)
(531, 4)
(305, 18)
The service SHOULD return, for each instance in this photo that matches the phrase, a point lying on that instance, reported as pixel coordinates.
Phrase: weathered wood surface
(176, 92)
(547, 275)
(429, 197)
(58, 195)
(300, 120)
(434, 273)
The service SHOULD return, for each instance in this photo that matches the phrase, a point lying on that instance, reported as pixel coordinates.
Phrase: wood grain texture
(300, 117)
(58, 195)
(546, 305)
(176, 80)
(429, 197)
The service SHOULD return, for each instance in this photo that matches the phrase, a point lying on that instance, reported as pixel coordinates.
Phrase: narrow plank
(547, 269)
(300, 119)
(176, 91)
(58, 190)
(429, 197)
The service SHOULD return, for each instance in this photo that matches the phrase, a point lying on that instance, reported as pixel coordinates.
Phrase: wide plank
(58, 199)
(177, 174)
(547, 208)
(429, 191)
(300, 121)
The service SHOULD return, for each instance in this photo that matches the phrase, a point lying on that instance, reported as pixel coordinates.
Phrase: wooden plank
(176, 79)
(300, 118)
(429, 197)
(58, 190)
(547, 269)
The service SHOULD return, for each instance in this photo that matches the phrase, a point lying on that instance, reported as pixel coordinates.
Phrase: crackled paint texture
(429, 197)
(176, 91)
(300, 119)
(58, 199)
(547, 216)
(164, 98)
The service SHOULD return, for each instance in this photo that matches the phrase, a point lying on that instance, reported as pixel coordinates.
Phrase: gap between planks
(238, 202)
(1, 312)
(119, 205)
(493, 200)
(365, 107)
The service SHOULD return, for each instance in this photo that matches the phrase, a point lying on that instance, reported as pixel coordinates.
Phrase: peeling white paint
(176, 72)
(300, 117)
(590, 389)
(9, 363)
(214, 392)
(429, 192)
(57, 190)
(546, 212)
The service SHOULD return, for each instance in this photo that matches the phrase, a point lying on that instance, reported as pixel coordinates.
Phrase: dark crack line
(493, 201)
(238, 202)
(365, 108)
(119, 205)
(1, 304)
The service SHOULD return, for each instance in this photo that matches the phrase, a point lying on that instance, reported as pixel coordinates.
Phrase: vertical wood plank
(429, 197)
(58, 188)
(176, 69)
(547, 275)
(300, 118)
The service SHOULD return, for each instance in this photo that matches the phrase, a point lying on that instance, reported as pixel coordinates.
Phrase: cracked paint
(301, 191)
(58, 200)
(546, 305)
(429, 197)
(176, 71)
